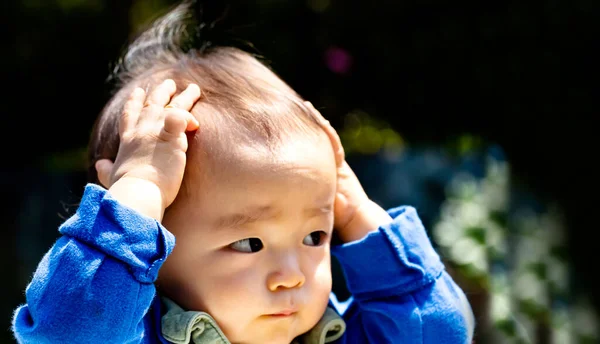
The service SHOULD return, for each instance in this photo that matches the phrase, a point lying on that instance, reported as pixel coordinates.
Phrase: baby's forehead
(236, 177)
(218, 161)
(308, 156)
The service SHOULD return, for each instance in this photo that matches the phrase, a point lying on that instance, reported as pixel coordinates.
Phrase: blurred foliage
(517, 255)
(364, 134)
(504, 245)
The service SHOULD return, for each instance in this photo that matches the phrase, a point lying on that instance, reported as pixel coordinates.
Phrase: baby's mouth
(284, 313)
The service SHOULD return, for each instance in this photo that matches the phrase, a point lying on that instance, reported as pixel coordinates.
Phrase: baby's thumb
(104, 170)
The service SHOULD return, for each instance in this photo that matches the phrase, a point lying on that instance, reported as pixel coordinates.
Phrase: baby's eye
(315, 238)
(250, 245)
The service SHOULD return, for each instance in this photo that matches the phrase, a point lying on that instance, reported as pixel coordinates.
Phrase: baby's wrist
(141, 195)
(367, 218)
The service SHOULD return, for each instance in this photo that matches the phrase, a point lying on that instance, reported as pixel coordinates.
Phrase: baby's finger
(315, 111)
(338, 149)
(178, 121)
(336, 143)
(186, 99)
(132, 109)
(161, 95)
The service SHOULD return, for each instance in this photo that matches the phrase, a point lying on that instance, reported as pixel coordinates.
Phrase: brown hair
(242, 98)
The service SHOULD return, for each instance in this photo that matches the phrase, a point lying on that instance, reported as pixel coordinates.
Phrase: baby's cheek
(319, 300)
(233, 300)
(321, 286)
(322, 270)
(234, 287)
(325, 287)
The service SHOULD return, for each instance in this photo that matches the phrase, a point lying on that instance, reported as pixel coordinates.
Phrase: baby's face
(252, 241)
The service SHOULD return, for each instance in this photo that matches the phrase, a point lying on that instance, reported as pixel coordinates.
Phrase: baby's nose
(287, 274)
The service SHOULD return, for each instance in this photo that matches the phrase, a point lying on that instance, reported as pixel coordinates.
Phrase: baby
(215, 193)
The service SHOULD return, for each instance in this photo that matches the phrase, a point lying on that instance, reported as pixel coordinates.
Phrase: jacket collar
(179, 326)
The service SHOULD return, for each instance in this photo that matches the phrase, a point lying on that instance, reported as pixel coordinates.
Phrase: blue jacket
(95, 284)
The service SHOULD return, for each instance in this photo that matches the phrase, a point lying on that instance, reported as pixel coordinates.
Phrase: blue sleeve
(95, 284)
(400, 290)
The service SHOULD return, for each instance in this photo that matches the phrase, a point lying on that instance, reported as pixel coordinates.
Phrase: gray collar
(184, 327)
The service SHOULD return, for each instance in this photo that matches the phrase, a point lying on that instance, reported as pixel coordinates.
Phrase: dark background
(521, 74)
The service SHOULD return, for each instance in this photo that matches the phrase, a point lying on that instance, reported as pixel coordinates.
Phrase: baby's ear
(104, 170)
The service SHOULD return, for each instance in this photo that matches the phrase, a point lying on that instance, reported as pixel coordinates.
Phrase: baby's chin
(276, 330)
(267, 331)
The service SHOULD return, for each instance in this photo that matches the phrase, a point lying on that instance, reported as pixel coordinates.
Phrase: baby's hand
(148, 170)
(355, 214)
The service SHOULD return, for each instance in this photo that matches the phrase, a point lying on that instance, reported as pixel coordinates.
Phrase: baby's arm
(95, 285)
(400, 290)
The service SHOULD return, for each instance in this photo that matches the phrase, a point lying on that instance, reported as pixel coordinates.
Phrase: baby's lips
(284, 311)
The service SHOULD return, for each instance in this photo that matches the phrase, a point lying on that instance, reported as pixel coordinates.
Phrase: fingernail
(194, 86)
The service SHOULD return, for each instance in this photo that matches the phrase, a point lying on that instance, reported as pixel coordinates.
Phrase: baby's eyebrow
(255, 214)
(248, 215)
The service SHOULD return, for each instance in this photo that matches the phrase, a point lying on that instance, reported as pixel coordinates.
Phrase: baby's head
(254, 216)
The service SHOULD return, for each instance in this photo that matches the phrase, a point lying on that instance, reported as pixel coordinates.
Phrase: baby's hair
(242, 99)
